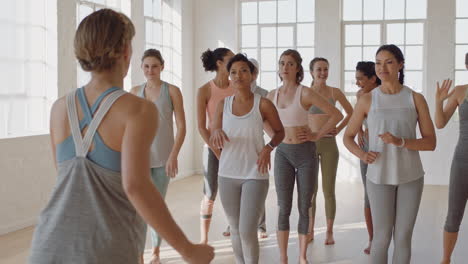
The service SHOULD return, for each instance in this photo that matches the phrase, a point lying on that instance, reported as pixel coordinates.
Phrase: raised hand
(443, 92)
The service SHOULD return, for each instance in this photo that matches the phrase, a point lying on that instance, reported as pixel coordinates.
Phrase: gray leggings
(394, 211)
(295, 162)
(243, 202)
(363, 175)
(458, 194)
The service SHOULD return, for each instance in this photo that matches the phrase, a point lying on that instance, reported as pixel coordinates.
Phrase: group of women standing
(106, 153)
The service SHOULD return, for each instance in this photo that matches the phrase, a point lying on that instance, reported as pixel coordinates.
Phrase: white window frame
(383, 40)
(455, 69)
(276, 25)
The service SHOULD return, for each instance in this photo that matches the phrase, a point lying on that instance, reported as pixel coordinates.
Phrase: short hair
(101, 38)
(241, 57)
(368, 69)
(153, 53)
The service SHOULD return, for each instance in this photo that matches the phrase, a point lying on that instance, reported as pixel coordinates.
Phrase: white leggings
(394, 210)
(243, 202)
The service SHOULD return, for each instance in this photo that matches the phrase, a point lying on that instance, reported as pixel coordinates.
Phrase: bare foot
(329, 240)
(262, 234)
(303, 261)
(367, 249)
(445, 262)
(227, 232)
(310, 236)
(204, 241)
(155, 259)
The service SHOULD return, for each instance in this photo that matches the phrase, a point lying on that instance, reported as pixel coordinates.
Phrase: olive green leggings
(327, 157)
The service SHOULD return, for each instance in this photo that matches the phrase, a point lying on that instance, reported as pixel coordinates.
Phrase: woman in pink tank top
(295, 156)
(209, 95)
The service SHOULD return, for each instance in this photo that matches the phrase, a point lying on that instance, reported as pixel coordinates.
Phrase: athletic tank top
(294, 114)
(239, 156)
(461, 150)
(101, 154)
(164, 139)
(88, 218)
(217, 94)
(317, 111)
(394, 113)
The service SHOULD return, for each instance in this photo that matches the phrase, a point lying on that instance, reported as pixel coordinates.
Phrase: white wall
(215, 25)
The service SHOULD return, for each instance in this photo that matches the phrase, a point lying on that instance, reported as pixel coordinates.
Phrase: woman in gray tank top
(458, 187)
(98, 215)
(164, 149)
(366, 80)
(395, 174)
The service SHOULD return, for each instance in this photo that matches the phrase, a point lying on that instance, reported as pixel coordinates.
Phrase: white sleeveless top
(394, 113)
(239, 155)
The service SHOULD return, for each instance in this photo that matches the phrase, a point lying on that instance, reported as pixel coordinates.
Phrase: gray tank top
(89, 218)
(394, 113)
(315, 110)
(461, 150)
(164, 140)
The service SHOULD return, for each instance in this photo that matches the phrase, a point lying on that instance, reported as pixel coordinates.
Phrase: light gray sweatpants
(243, 202)
(394, 210)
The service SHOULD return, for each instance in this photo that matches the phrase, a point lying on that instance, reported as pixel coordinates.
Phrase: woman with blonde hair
(101, 142)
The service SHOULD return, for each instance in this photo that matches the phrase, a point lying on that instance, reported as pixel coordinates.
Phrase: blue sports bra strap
(87, 116)
(99, 99)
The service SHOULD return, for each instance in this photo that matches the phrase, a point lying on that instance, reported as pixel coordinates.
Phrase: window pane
(413, 79)
(37, 79)
(285, 36)
(167, 33)
(36, 14)
(373, 9)
(352, 57)
(461, 31)
(307, 55)
(350, 82)
(148, 31)
(17, 117)
(36, 44)
(394, 9)
(353, 34)
(395, 33)
(249, 12)
(112, 4)
(36, 114)
(372, 34)
(416, 9)
(157, 33)
(462, 8)
(268, 36)
(267, 12)
(460, 51)
(461, 78)
(287, 11)
(414, 57)
(305, 34)
(157, 9)
(249, 36)
(251, 53)
(148, 8)
(268, 59)
(414, 33)
(268, 80)
(305, 10)
(83, 11)
(352, 10)
(369, 53)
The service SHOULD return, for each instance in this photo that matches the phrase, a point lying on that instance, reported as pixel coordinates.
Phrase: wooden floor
(350, 232)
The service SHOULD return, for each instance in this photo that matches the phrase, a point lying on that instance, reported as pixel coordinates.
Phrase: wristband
(271, 146)
(402, 143)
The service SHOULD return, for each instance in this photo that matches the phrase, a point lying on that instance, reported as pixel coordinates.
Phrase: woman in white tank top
(395, 174)
(245, 159)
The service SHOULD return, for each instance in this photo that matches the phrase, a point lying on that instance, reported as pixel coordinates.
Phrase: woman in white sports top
(245, 159)
(395, 176)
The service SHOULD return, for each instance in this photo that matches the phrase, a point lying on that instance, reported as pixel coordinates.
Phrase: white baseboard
(17, 226)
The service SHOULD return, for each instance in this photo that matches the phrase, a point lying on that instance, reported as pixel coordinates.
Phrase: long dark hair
(396, 51)
(368, 69)
(209, 58)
